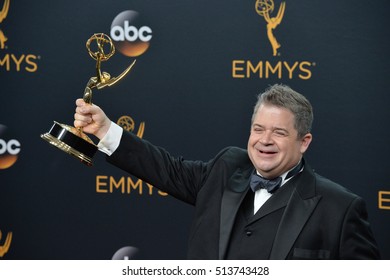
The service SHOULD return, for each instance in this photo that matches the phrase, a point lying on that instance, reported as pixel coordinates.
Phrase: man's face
(273, 144)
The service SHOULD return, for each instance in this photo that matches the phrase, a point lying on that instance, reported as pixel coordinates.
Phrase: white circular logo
(9, 148)
(131, 36)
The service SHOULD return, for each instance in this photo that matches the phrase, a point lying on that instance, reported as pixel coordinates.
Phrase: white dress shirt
(262, 195)
(110, 142)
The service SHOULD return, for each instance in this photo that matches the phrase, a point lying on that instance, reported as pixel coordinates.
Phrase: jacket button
(248, 233)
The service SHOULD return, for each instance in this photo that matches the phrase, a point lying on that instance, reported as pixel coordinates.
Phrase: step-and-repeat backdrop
(200, 65)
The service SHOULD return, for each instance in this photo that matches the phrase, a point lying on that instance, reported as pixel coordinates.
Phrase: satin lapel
(232, 197)
(298, 210)
(275, 202)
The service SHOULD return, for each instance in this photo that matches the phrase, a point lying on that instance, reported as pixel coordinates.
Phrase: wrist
(103, 130)
(110, 142)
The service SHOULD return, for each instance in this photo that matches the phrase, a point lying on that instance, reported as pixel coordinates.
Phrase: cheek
(251, 141)
(287, 147)
(295, 150)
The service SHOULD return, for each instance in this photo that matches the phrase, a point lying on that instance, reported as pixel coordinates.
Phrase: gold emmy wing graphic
(73, 140)
(3, 15)
(264, 8)
(7, 243)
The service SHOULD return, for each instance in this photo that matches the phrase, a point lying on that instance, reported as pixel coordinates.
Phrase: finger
(80, 102)
(92, 109)
(84, 108)
(82, 111)
(80, 123)
(77, 123)
(83, 118)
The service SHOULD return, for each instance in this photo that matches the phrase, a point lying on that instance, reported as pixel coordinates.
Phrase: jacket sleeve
(180, 178)
(357, 240)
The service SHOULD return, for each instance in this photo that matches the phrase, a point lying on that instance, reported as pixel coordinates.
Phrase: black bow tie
(258, 182)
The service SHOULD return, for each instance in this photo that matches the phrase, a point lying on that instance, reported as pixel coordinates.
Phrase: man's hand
(91, 119)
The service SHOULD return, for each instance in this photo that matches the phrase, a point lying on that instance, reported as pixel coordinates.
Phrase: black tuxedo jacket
(320, 220)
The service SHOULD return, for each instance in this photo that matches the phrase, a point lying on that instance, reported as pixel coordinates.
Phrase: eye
(281, 132)
(258, 129)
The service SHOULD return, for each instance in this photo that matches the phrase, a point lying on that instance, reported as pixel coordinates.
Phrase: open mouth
(267, 152)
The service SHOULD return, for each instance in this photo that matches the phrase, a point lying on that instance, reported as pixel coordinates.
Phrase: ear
(305, 142)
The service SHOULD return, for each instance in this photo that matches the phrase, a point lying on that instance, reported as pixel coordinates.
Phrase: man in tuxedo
(261, 203)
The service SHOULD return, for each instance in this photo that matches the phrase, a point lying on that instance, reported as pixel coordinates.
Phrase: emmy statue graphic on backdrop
(3, 15)
(264, 8)
(73, 140)
(7, 243)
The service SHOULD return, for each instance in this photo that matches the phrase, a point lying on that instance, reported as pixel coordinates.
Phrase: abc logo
(9, 149)
(130, 35)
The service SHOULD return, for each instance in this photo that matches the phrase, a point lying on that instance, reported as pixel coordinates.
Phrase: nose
(266, 138)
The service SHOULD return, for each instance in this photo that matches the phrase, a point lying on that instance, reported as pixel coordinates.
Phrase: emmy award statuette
(73, 140)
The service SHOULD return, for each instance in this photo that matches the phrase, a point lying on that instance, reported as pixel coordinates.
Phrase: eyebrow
(273, 128)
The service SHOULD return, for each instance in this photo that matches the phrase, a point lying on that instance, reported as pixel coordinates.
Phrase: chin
(264, 170)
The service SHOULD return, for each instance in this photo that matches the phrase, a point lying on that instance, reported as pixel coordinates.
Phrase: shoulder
(333, 190)
(234, 155)
(231, 158)
(232, 151)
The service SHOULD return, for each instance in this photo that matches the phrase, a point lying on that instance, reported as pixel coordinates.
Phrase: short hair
(284, 97)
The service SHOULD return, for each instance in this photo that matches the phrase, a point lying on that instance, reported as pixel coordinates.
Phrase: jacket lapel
(275, 202)
(238, 186)
(298, 210)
